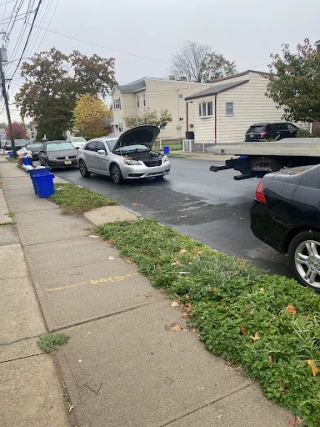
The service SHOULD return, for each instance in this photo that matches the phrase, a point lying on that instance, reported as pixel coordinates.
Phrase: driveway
(211, 207)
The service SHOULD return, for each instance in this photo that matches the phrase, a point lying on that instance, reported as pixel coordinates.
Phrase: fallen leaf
(291, 309)
(145, 251)
(176, 263)
(243, 330)
(128, 260)
(295, 421)
(188, 307)
(70, 407)
(182, 251)
(162, 290)
(93, 236)
(256, 337)
(111, 258)
(314, 368)
(175, 304)
(261, 289)
(176, 327)
(187, 297)
(136, 204)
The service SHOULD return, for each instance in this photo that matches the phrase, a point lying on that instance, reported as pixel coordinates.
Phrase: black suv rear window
(256, 129)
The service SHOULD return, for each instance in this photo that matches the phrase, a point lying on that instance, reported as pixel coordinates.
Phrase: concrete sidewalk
(123, 365)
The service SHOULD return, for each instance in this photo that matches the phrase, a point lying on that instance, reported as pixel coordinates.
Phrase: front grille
(64, 158)
(153, 163)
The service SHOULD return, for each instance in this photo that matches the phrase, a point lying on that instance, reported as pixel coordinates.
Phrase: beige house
(155, 94)
(224, 112)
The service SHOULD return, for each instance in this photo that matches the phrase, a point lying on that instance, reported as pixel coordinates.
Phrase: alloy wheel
(307, 262)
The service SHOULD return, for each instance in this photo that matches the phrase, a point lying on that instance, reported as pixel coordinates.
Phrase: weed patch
(51, 342)
(268, 324)
(76, 200)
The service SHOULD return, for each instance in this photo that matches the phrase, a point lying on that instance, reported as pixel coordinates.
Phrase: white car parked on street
(77, 141)
(128, 157)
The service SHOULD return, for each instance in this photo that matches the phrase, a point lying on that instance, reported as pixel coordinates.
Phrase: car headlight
(165, 159)
(132, 162)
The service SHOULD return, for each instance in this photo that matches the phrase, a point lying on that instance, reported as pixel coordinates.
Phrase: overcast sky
(142, 35)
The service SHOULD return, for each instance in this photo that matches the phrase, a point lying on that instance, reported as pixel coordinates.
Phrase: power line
(37, 32)
(54, 11)
(5, 3)
(27, 41)
(102, 47)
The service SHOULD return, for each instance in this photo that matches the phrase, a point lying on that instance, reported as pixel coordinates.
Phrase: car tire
(83, 169)
(42, 161)
(115, 174)
(304, 258)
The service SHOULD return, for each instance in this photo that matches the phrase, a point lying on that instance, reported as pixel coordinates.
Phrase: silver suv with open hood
(128, 157)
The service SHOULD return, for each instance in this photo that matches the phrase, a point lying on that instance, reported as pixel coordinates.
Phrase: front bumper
(142, 171)
(62, 163)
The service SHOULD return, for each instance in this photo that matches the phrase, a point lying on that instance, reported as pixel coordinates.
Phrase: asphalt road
(210, 207)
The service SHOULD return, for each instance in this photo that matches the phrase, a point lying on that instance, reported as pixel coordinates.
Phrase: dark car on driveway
(286, 215)
(18, 143)
(58, 154)
(280, 130)
(34, 147)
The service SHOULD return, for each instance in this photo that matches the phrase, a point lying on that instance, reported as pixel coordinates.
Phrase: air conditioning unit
(178, 127)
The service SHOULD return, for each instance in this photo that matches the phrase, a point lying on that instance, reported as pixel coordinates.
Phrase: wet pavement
(210, 207)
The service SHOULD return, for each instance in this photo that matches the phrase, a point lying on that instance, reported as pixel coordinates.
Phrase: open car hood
(145, 135)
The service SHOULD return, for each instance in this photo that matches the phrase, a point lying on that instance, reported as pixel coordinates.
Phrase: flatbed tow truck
(255, 159)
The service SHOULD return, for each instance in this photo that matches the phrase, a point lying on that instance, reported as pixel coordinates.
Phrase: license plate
(68, 162)
(251, 135)
(263, 165)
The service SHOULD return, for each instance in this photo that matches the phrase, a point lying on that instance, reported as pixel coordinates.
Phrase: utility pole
(5, 97)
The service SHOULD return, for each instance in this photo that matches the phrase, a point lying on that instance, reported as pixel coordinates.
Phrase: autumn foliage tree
(90, 117)
(53, 84)
(18, 131)
(149, 117)
(294, 82)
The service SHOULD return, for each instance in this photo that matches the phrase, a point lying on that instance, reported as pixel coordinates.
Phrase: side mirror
(77, 148)
(101, 152)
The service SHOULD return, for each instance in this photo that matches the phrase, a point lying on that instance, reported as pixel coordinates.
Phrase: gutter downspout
(187, 117)
(215, 119)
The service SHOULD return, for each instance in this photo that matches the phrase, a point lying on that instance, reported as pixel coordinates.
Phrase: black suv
(260, 131)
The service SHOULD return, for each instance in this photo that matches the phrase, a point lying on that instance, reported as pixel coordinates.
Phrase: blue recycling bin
(166, 149)
(44, 183)
(26, 161)
(33, 172)
(10, 154)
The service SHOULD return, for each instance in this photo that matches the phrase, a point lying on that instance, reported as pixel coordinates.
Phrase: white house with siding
(154, 94)
(224, 112)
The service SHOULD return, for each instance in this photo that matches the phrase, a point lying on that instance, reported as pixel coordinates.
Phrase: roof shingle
(216, 89)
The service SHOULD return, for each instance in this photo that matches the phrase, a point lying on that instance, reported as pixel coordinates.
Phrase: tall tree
(294, 82)
(149, 117)
(53, 83)
(199, 63)
(18, 131)
(90, 117)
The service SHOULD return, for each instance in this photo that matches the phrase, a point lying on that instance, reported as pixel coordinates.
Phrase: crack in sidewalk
(22, 357)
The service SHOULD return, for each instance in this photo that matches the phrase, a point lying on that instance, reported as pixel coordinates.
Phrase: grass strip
(12, 160)
(76, 200)
(269, 324)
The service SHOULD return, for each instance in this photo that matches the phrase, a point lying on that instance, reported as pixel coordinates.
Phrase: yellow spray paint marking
(94, 282)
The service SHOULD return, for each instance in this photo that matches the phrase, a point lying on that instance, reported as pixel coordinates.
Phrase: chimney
(317, 45)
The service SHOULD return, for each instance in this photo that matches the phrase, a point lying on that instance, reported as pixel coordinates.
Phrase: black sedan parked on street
(34, 147)
(58, 154)
(286, 215)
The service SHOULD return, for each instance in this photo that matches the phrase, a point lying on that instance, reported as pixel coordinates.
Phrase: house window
(117, 104)
(144, 99)
(162, 128)
(138, 103)
(205, 109)
(180, 95)
(120, 127)
(181, 119)
(229, 108)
